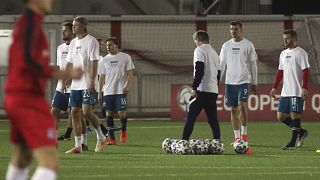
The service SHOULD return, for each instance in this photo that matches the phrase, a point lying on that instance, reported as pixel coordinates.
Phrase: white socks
(100, 135)
(77, 140)
(236, 134)
(244, 130)
(42, 173)
(15, 173)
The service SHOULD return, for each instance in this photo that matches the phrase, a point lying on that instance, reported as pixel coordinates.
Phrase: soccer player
(84, 53)
(240, 57)
(116, 74)
(294, 70)
(32, 127)
(61, 96)
(205, 86)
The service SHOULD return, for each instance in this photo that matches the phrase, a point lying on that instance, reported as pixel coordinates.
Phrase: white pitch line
(192, 174)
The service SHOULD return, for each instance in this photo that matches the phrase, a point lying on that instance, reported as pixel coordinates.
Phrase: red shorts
(31, 122)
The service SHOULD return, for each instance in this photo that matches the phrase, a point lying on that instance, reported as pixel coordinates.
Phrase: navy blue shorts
(60, 100)
(290, 104)
(79, 97)
(236, 93)
(117, 102)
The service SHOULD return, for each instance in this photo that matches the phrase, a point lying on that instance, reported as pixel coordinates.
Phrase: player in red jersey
(32, 127)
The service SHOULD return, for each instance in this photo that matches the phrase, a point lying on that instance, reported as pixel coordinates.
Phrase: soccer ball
(182, 147)
(174, 145)
(166, 145)
(198, 146)
(240, 146)
(216, 147)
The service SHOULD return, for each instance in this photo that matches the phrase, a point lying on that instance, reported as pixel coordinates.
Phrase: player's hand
(194, 93)
(273, 92)
(126, 90)
(304, 93)
(91, 87)
(63, 87)
(76, 73)
(254, 89)
(68, 82)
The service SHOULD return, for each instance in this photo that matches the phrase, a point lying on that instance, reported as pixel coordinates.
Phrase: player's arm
(102, 78)
(64, 74)
(93, 75)
(31, 46)
(277, 81)
(254, 68)
(305, 79)
(199, 71)
(129, 81)
(223, 61)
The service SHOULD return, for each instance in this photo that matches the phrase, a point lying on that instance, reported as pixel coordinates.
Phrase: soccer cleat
(301, 137)
(318, 151)
(100, 146)
(84, 147)
(288, 147)
(244, 137)
(74, 150)
(123, 136)
(63, 138)
(111, 142)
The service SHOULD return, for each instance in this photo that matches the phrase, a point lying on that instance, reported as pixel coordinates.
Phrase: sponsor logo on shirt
(113, 63)
(64, 54)
(235, 50)
(78, 49)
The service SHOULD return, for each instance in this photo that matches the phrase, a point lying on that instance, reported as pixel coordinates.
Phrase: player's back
(28, 57)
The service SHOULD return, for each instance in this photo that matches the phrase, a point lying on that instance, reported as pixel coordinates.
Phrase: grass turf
(142, 157)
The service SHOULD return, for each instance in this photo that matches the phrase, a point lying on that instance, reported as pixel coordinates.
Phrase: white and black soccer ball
(166, 145)
(174, 145)
(182, 147)
(217, 147)
(240, 146)
(198, 146)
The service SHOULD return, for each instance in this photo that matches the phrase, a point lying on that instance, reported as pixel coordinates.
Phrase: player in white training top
(294, 70)
(239, 56)
(116, 74)
(60, 99)
(84, 53)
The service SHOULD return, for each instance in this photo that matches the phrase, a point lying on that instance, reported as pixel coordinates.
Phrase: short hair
(291, 32)
(201, 36)
(81, 20)
(68, 24)
(236, 23)
(113, 39)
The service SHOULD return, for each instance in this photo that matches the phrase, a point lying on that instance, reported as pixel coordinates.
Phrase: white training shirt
(239, 58)
(292, 62)
(81, 53)
(115, 68)
(206, 54)
(62, 52)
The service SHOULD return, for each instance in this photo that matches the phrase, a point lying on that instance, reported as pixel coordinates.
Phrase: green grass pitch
(142, 157)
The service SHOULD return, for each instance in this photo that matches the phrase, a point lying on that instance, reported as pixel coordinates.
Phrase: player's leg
(76, 103)
(121, 107)
(243, 93)
(84, 138)
(231, 100)
(296, 111)
(211, 111)
(21, 159)
(195, 107)
(89, 100)
(109, 101)
(67, 134)
(48, 163)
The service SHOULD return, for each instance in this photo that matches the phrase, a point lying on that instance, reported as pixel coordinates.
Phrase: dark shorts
(79, 97)
(291, 104)
(117, 102)
(235, 94)
(31, 122)
(60, 100)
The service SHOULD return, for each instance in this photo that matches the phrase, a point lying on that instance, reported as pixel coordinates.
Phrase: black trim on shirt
(199, 72)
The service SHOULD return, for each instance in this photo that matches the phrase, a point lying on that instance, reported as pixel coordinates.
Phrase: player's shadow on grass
(141, 145)
(266, 146)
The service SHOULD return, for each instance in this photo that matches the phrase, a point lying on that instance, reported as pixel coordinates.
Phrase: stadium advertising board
(261, 107)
